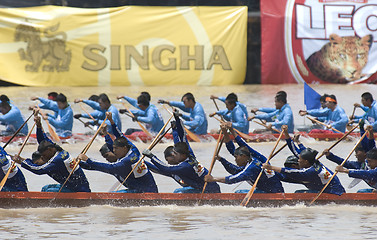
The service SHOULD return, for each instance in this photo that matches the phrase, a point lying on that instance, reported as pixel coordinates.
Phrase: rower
(56, 163)
(311, 173)
(146, 113)
(368, 175)
(234, 114)
(360, 153)
(334, 116)
(127, 154)
(16, 180)
(11, 117)
(197, 120)
(235, 97)
(249, 165)
(182, 163)
(62, 119)
(279, 116)
(369, 106)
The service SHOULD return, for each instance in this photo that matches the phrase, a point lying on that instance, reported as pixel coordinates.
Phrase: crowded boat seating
(135, 168)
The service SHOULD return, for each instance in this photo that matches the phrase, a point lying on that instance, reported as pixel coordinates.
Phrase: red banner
(319, 41)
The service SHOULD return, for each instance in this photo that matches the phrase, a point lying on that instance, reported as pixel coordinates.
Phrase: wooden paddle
(335, 172)
(2, 183)
(243, 135)
(264, 125)
(77, 161)
(156, 140)
(50, 129)
(349, 124)
(324, 124)
(82, 107)
(339, 140)
(219, 143)
(18, 130)
(84, 123)
(133, 116)
(248, 196)
(192, 135)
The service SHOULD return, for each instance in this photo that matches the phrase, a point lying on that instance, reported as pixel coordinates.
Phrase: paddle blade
(192, 135)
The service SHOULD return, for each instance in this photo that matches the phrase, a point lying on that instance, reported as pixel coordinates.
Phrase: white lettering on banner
(343, 20)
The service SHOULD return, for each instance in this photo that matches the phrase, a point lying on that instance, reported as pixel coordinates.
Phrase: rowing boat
(82, 199)
(253, 137)
(141, 136)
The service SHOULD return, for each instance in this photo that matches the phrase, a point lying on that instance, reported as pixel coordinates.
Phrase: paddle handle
(324, 124)
(140, 125)
(150, 147)
(82, 107)
(50, 129)
(248, 196)
(340, 139)
(18, 130)
(77, 161)
(5, 178)
(264, 125)
(219, 143)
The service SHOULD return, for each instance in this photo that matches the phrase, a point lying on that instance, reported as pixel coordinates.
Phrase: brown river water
(196, 222)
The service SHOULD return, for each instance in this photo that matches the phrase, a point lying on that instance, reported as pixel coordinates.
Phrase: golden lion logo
(52, 52)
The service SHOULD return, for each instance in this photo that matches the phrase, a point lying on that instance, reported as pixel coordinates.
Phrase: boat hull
(50, 199)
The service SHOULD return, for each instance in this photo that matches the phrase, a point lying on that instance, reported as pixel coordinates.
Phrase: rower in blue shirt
(369, 106)
(56, 163)
(235, 97)
(16, 180)
(279, 116)
(146, 112)
(62, 119)
(183, 164)
(311, 173)
(249, 165)
(235, 115)
(335, 115)
(197, 120)
(368, 175)
(127, 155)
(102, 106)
(11, 117)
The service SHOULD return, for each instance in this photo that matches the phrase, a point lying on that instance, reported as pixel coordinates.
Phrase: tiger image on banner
(342, 59)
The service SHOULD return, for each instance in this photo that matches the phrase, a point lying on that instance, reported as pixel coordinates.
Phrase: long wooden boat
(51, 199)
(141, 136)
(254, 137)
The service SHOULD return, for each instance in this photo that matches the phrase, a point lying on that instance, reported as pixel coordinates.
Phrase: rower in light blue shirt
(197, 120)
(335, 115)
(62, 119)
(369, 106)
(11, 117)
(279, 116)
(146, 112)
(235, 115)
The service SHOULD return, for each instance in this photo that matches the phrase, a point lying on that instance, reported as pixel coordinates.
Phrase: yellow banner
(60, 46)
